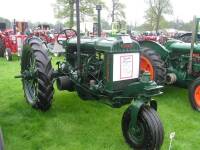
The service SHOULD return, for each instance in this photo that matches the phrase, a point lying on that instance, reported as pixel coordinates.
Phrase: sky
(42, 10)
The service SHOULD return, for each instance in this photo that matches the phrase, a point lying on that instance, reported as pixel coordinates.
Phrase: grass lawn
(73, 124)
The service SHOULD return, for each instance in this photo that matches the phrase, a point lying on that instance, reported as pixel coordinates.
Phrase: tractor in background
(102, 69)
(43, 31)
(176, 63)
(11, 40)
(149, 60)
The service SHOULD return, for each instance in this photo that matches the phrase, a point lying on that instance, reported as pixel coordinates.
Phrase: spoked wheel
(2, 48)
(194, 94)
(148, 134)
(1, 140)
(8, 54)
(151, 62)
(37, 78)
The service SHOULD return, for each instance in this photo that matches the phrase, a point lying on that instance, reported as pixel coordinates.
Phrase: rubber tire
(9, 53)
(154, 133)
(191, 91)
(157, 63)
(1, 140)
(2, 48)
(45, 87)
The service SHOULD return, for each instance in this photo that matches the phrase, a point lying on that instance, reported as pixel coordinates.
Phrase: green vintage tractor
(181, 62)
(102, 69)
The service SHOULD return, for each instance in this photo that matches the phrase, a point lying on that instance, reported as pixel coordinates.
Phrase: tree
(65, 9)
(117, 10)
(105, 25)
(156, 10)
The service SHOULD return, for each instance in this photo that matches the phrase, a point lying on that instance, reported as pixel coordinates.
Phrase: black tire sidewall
(157, 64)
(154, 132)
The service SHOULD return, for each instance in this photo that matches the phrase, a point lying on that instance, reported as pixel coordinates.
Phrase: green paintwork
(157, 47)
(176, 55)
(179, 46)
(97, 58)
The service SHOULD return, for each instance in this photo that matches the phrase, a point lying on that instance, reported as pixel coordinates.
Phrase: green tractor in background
(180, 64)
(102, 69)
(149, 59)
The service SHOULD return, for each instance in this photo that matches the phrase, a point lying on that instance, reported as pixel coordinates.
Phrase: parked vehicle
(11, 40)
(102, 69)
(176, 63)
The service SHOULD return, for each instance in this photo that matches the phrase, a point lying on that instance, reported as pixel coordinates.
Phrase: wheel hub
(146, 65)
(137, 133)
(30, 81)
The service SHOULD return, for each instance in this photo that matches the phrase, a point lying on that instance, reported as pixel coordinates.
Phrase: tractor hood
(179, 46)
(108, 45)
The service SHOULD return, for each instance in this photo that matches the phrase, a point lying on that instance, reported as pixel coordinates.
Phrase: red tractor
(11, 40)
(43, 31)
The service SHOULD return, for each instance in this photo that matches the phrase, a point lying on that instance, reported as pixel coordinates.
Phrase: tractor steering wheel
(65, 35)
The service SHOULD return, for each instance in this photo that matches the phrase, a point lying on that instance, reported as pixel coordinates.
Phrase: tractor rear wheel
(148, 134)
(150, 61)
(37, 74)
(2, 48)
(194, 94)
(8, 54)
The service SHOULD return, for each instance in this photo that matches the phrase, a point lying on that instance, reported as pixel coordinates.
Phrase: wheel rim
(136, 134)
(30, 82)
(197, 95)
(146, 65)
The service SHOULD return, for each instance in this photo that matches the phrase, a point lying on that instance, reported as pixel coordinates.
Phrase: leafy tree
(156, 10)
(105, 25)
(65, 9)
(117, 10)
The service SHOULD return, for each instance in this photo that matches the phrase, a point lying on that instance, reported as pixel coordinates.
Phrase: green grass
(73, 124)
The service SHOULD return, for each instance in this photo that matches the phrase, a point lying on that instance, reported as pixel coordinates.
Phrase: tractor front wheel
(151, 62)
(8, 54)
(37, 74)
(194, 94)
(148, 134)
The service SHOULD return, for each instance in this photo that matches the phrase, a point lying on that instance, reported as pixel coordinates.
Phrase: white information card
(126, 66)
